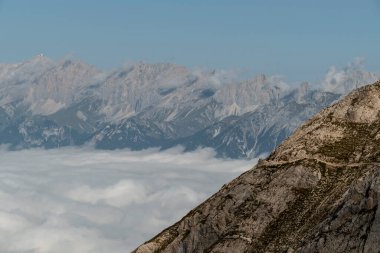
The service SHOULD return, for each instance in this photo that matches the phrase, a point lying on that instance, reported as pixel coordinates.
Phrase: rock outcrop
(317, 192)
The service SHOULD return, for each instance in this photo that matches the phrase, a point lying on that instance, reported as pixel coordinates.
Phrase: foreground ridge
(317, 192)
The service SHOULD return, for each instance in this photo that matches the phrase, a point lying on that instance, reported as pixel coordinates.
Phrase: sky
(296, 38)
(86, 201)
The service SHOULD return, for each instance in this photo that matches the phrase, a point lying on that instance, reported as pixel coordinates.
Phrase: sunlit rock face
(51, 104)
(317, 192)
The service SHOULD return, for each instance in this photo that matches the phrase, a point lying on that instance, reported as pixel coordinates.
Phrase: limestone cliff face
(317, 192)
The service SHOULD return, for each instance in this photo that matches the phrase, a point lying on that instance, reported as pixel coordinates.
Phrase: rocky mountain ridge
(317, 192)
(51, 104)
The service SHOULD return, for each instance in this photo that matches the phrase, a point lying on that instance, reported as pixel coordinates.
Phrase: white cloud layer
(75, 200)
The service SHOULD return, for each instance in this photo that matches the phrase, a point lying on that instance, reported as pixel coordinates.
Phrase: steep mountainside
(317, 192)
(53, 104)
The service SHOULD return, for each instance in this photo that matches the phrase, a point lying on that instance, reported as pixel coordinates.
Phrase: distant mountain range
(51, 104)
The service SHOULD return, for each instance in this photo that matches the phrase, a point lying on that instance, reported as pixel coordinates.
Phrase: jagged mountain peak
(246, 96)
(39, 59)
(261, 78)
(149, 72)
(318, 192)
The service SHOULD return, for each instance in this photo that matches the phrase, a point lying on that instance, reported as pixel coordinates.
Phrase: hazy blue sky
(297, 38)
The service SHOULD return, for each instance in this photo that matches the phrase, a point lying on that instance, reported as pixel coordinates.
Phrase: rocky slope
(317, 192)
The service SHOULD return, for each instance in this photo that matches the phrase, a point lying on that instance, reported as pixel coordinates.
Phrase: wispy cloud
(350, 77)
(73, 200)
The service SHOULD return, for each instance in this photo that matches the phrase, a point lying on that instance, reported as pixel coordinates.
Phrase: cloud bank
(75, 200)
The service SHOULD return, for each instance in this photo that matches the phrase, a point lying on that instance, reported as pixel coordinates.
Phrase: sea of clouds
(83, 200)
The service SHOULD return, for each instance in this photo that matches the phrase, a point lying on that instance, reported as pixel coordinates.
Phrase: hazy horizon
(233, 75)
(298, 40)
